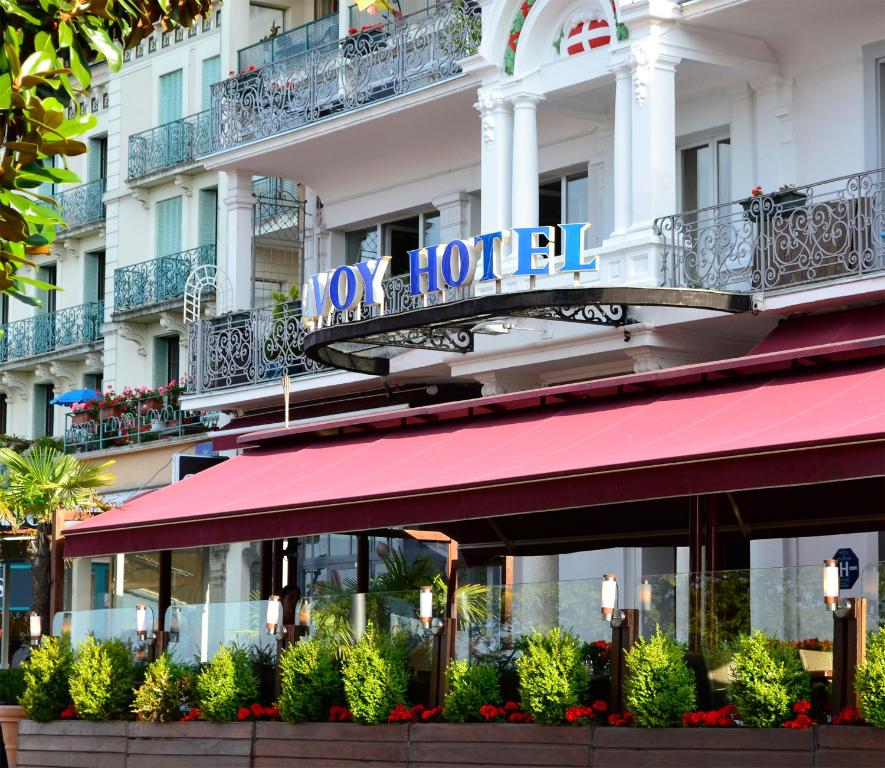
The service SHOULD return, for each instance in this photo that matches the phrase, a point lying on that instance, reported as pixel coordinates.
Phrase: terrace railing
(259, 345)
(169, 146)
(158, 280)
(82, 206)
(796, 237)
(291, 45)
(52, 331)
(395, 57)
(146, 421)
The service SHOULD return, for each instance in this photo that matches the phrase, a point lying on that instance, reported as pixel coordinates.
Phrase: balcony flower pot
(783, 202)
(10, 716)
(81, 418)
(151, 404)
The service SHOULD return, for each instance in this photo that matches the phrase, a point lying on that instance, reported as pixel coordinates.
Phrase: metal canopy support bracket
(439, 338)
(594, 314)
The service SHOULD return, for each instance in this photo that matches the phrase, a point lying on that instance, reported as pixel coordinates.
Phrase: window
(361, 245)
(874, 103)
(93, 381)
(398, 238)
(211, 74)
(48, 273)
(166, 351)
(705, 171)
(170, 97)
(324, 8)
(208, 221)
(3, 414)
(44, 411)
(168, 224)
(262, 18)
(94, 276)
(4, 309)
(97, 159)
(565, 201)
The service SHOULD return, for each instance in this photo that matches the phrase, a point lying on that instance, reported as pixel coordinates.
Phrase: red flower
(243, 713)
(431, 714)
(521, 717)
(511, 706)
(756, 191)
(68, 713)
(848, 716)
(600, 706)
(194, 714)
(400, 714)
(491, 712)
(800, 722)
(339, 714)
(352, 31)
(803, 705)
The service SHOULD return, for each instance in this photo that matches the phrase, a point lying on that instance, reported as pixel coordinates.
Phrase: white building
(648, 119)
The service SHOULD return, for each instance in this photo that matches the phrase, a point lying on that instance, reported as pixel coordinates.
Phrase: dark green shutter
(161, 356)
(211, 74)
(170, 96)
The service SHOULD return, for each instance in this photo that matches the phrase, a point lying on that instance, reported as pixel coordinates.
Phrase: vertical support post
(57, 569)
(711, 565)
(164, 600)
(4, 644)
(276, 576)
(695, 567)
(292, 561)
(266, 577)
(524, 194)
(623, 637)
(849, 649)
(623, 147)
(362, 563)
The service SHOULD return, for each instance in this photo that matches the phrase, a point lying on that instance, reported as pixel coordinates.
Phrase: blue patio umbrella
(74, 396)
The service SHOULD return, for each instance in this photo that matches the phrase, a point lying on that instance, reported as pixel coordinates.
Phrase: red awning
(783, 429)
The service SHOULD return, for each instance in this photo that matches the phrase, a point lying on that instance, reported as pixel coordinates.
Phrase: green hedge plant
(376, 676)
(310, 681)
(12, 685)
(165, 688)
(226, 684)
(102, 679)
(553, 675)
(470, 687)
(766, 680)
(46, 674)
(659, 685)
(870, 681)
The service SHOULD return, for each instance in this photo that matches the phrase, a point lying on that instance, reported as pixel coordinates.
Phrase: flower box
(783, 203)
(10, 717)
(189, 745)
(71, 744)
(151, 404)
(81, 418)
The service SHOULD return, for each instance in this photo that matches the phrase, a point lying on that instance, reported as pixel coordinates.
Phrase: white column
(237, 263)
(653, 134)
(622, 140)
(525, 159)
(496, 158)
(743, 144)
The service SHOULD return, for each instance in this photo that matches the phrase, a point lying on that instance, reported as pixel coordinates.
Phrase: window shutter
(208, 217)
(161, 374)
(169, 226)
(170, 96)
(211, 74)
(93, 159)
(90, 278)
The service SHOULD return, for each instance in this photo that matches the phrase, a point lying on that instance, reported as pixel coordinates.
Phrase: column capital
(488, 100)
(525, 99)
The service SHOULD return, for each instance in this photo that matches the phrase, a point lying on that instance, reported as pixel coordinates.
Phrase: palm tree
(37, 484)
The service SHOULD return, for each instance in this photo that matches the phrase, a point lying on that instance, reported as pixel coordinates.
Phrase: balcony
(291, 45)
(170, 146)
(367, 67)
(52, 332)
(82, 208)
(792, 238)
(155, 282)
(140, 421)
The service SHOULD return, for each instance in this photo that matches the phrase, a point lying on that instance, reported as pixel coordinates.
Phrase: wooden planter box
(71, 744)
(189, 745)
(79, 744)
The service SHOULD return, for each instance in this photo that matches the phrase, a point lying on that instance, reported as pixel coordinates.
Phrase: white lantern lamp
(609, 600)
(274, 614)
(645, 595)
(832, 602)
(175, 625)
(425, 606)
(35, 626)
(141, 621)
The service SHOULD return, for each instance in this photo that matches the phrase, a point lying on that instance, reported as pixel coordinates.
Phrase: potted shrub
(310, 681)
(553, 675)
(226, 685)
(869, 681)
(659, 686)
(12, 686)
(470, 689)
(166, 688)
(787, 198)
(102, 679)
(376, 676)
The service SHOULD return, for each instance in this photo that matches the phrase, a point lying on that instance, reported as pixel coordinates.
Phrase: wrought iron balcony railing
(82, 206)
(278, 208)
(146, 421)
(169, 145)
(378, 63)
(158, 280)
(52, 331)
(259, 345)
(289, 45)
(795, 237)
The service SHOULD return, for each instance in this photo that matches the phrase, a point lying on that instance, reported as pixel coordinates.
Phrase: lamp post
(625, 631)
(141, 621)
(849, 636)
(274, 614)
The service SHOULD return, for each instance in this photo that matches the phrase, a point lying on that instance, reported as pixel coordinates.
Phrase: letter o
(350, 284)
(466, 262)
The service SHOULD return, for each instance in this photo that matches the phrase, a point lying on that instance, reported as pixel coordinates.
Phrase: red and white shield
(587, 35)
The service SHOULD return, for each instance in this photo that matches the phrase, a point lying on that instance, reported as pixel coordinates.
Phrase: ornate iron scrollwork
(594, 314)
(438, 338)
